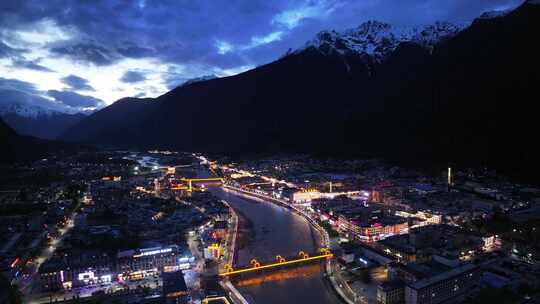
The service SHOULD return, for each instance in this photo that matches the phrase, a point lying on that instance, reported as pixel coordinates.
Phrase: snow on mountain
(199, 79)
(378, 39)
(27, 105)
(495, 14)
(25, 110)
(428, 36)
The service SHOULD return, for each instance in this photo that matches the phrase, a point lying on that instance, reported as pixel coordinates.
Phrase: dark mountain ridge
(469, 99)
(16, 148)
(43, 126)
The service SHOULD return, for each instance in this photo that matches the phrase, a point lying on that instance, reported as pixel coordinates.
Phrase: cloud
(16, 93)
(18, 85)
(77, 83)
(132, 77)
(17, 99)
(42, 32)
(30, 65)
(174, 77)
(105, 40)
(261, 40)
(292, 18)
(18, 60)
(223, 47)
(135, 52)
(7, 51)
(86, 53)
(75, 100)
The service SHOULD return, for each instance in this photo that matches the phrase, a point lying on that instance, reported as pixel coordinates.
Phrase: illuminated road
(275, 230)
(31, 284)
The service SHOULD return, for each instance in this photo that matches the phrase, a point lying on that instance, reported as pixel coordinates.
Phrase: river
(277, 231)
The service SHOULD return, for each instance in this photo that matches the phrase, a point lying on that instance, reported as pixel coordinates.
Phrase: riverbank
(234, 294)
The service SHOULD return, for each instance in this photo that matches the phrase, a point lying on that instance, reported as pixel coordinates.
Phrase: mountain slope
(16, 148)
(116, 125)
(32, 115)
(489, 77)
(48, 126)
(467, 99)
(7, 139)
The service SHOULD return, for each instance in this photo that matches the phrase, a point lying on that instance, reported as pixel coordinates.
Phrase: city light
(152, 252)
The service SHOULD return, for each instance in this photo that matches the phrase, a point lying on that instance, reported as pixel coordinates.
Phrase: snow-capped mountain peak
(25, 110)
(378, 39)
(25, 105)
(432, 34)
(31, 105)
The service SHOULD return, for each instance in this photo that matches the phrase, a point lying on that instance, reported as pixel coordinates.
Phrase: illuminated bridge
(190, 182)
(279, 262)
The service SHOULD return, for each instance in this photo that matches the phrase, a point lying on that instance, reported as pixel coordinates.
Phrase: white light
(184, 266)
(106, 278)
(153, 252)
(183, 259)
(86, 276)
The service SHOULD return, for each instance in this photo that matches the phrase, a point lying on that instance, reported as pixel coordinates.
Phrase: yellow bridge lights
(255, 264)
(280, 261)
(228, 268)
(191, 180)
(325, 251)
(303, 255)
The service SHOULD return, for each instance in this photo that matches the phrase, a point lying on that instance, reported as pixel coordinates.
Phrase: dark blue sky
(104, 50)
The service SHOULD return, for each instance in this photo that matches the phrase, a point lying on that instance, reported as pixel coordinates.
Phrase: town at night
(260, 152)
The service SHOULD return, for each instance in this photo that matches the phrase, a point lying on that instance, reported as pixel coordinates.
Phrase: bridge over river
(256, 266)
(268, 230)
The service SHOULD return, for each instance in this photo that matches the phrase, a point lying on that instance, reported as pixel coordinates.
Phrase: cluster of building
(73, 235)
(66, 272)
(214, 240)
(358, 220)
(432, 264)
(423, 239)
(36, 205)
(429, 282)
(450, 242)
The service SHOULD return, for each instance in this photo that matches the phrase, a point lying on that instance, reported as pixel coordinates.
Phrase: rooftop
(442, 276)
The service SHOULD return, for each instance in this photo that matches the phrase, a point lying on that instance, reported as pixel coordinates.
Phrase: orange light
(323, 256)
(17, 260)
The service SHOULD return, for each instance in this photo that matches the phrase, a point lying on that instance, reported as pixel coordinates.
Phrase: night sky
(80, 55)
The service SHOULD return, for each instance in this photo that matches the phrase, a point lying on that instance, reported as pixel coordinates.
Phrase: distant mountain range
(29, 118)
(442, 93)
(42, 126)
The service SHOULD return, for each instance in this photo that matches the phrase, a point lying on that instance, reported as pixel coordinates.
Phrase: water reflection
(298, 272)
